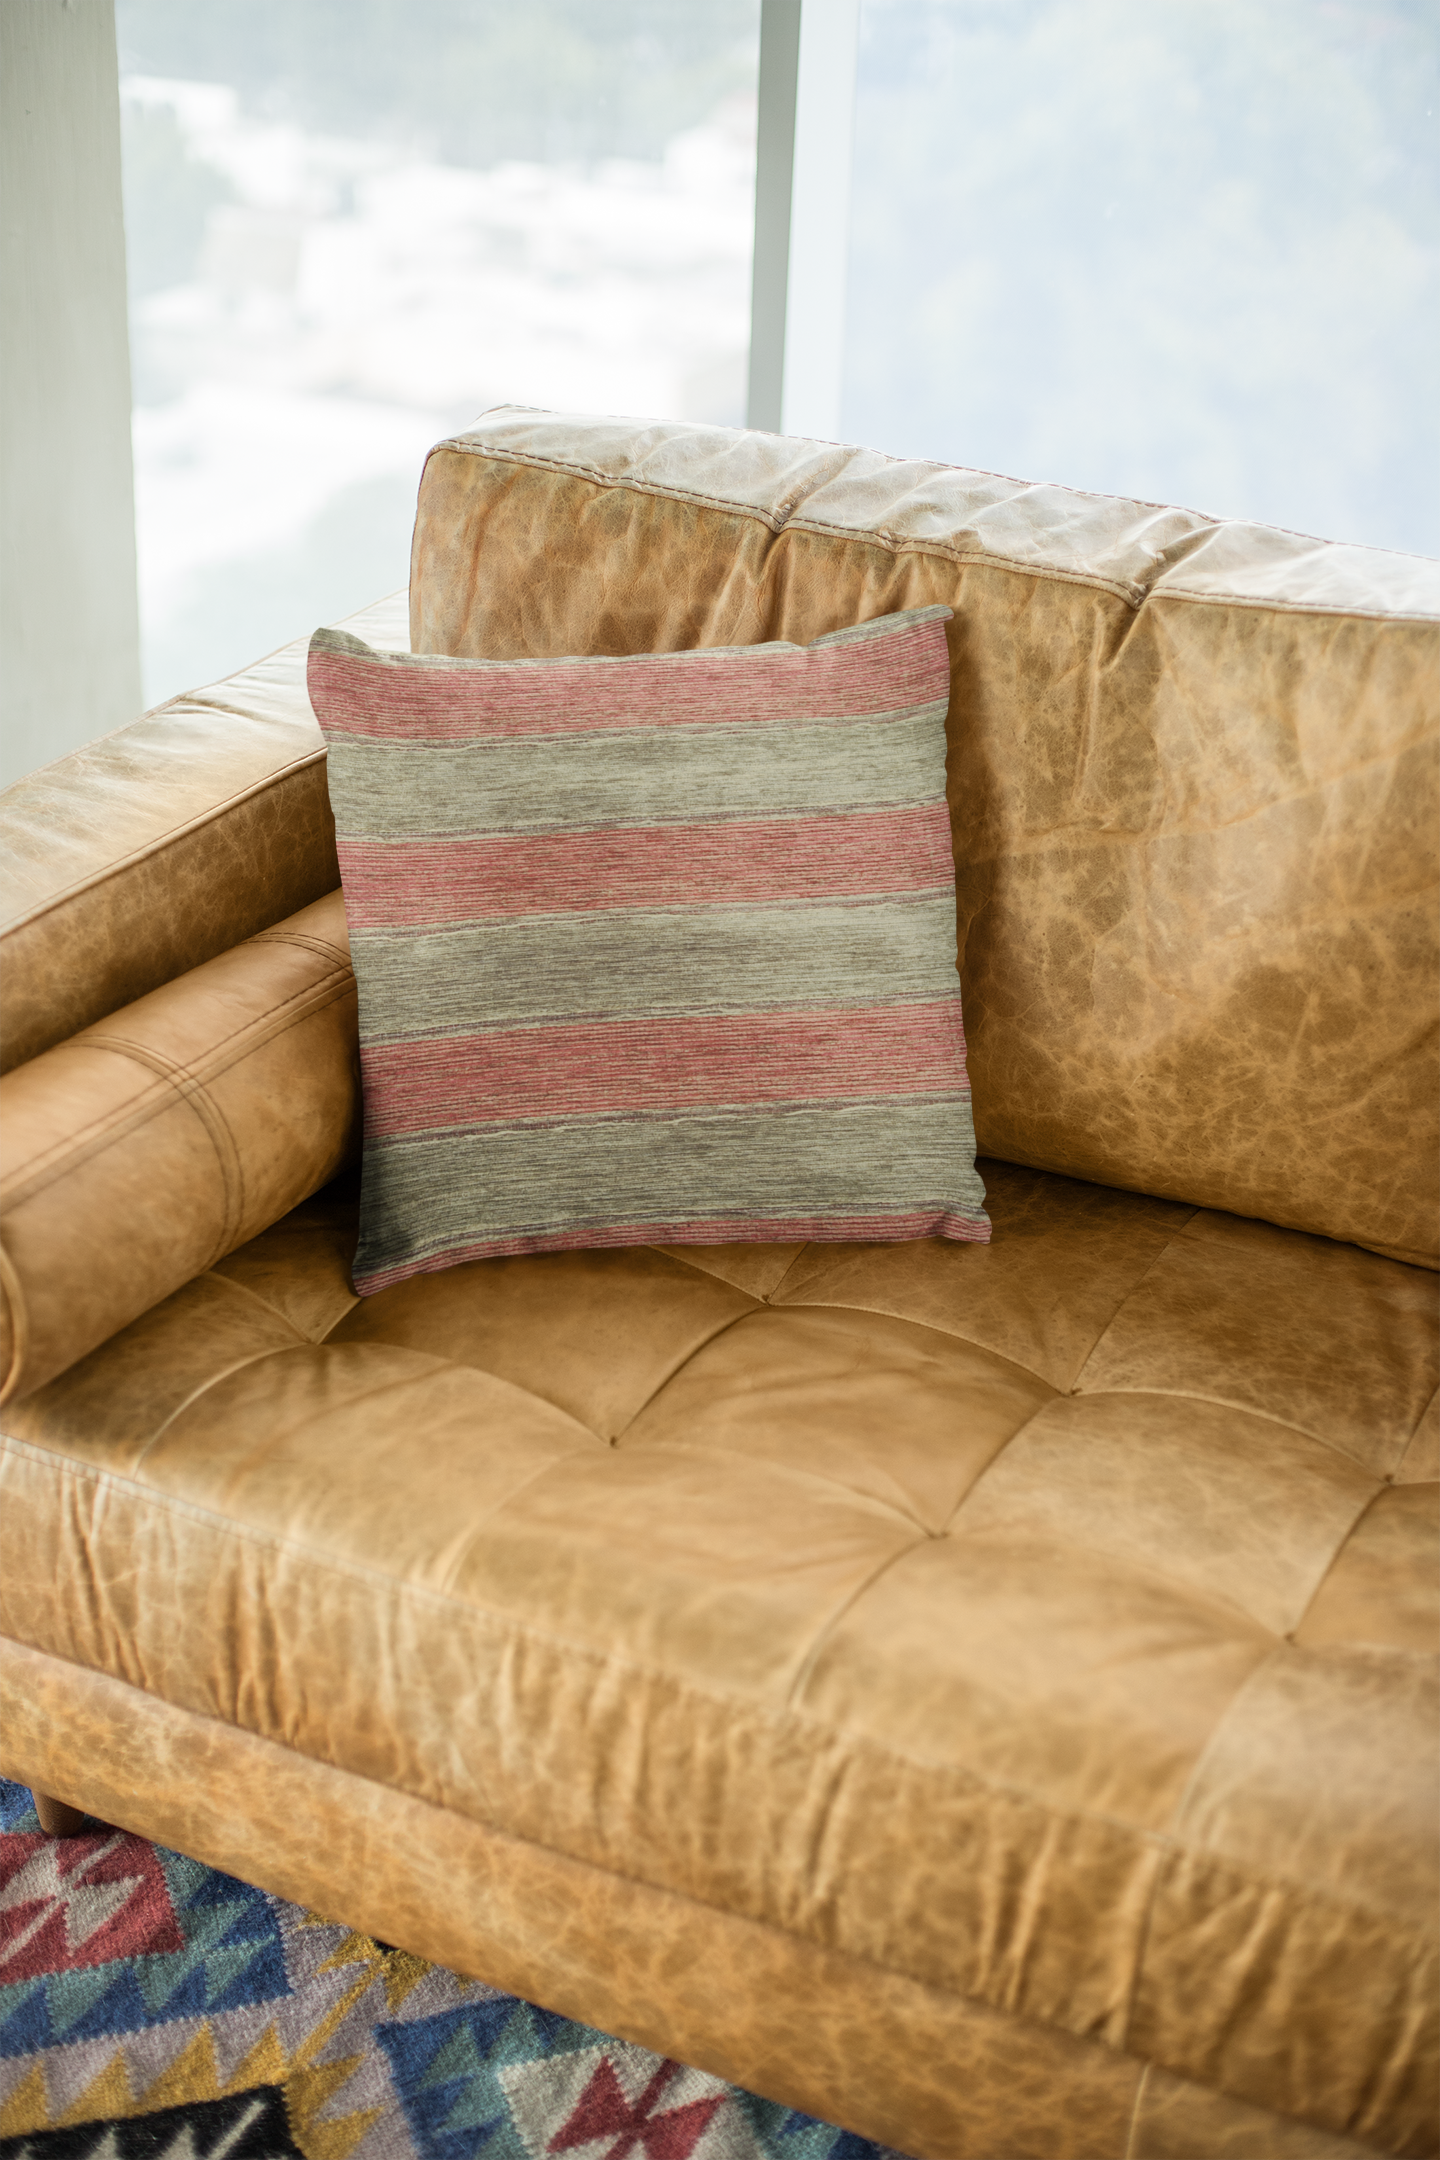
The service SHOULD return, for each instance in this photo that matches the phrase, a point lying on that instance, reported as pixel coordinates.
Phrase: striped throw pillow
(654, 950)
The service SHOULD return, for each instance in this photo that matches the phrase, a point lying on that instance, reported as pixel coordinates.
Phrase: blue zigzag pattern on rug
(154, 2009)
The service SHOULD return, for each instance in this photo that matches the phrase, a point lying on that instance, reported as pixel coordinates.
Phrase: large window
(354, 224)
(1180, 249)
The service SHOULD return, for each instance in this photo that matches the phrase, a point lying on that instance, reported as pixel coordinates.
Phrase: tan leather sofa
(985, 1697)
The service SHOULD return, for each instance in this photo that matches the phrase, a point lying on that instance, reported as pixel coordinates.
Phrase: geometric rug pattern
(153, 2009)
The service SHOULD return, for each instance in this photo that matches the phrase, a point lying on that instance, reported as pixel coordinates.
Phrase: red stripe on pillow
(621, 1067)
(447, 704)
(395, 887)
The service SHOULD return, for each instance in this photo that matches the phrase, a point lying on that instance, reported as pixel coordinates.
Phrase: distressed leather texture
(144, 854)
(985, 1696)
(766, 2009)
(155, 1142)
(1051, 1624)
(1193, 777)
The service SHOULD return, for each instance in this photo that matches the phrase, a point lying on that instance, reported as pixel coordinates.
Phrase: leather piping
(191, 1089)
(321, 947)
(780, 520)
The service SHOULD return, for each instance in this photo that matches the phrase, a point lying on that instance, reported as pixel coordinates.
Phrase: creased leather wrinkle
(240, 1365)
(103, 1487)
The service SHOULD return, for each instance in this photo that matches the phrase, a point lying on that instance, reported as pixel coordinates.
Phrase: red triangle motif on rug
(67, 1903)
(603, 2111)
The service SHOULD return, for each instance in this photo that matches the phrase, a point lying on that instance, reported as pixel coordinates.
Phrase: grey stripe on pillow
(660, 961)
(636, 776)
(539, 1178)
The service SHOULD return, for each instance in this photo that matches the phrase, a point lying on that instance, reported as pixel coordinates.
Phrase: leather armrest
(148, 1146)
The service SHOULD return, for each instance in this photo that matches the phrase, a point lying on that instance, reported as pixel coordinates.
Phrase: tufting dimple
(778, 1578)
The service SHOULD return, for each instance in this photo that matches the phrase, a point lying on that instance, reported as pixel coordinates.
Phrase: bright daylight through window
(352, 227)
(1184, 251)
(1179, 249)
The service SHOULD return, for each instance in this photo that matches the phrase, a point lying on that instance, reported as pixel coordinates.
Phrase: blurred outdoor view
(1181, 249)
(354, 224)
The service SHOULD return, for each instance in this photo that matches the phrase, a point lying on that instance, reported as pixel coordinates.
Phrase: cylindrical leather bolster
(144, 1149)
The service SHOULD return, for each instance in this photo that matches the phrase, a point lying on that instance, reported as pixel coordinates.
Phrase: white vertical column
(820, 217)
(774, 182)
(804, 153)
(69, 627)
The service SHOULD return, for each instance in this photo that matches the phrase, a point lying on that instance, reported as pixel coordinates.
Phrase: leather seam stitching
(364, 1395)
(771, 1295)
(804, 1672)
(198, 1394)
(108, 1130)
(1230, 1402)
(1003, 1450)
(678, 1252)
(243, 1290)
(211, 1063)
(1178, 1230)
(190, 1089)
(1337, 1553)
(1411, 1437)
(949, 1335)
(323, 948)
(864, 1503)
(1210, 1601)
(777, 521)
(756, 1305)
(1133, 593)
(1173, 1845)
(801, 1305)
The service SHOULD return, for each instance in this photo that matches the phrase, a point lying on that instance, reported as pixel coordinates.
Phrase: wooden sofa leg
(56, 1819)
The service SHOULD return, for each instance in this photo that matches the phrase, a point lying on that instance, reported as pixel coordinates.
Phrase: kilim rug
(152, 2009)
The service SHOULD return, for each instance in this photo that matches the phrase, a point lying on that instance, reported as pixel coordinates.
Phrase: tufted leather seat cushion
(1051, 1624)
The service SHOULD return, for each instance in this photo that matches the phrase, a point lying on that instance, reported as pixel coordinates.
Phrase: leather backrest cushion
(1192, 777)
(144, 854)
(147, 1147)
